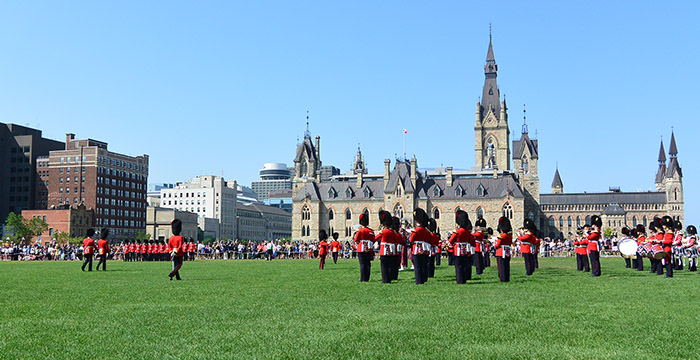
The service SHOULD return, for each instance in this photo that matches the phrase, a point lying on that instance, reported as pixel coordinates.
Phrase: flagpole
(404, 144)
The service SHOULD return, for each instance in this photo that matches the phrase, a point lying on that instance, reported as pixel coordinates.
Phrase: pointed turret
(661, 173)
(490, 98)
(673, 150)
(557, 184)
(673, 167)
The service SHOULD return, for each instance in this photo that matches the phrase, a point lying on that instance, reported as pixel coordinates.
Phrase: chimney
(318, 147)
(69, 138)
(387, 165)
(449, 176)
(359, 179)
(414, 170)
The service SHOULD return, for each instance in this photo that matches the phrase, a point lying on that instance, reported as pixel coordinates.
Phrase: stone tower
(525, 158)
(307, 162)
(673, 183)
(492, 136)
(557, 184)
(661, 173)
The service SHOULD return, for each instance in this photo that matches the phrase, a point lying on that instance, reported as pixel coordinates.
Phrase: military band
(503, 247)
(364, 238)
(420, 246)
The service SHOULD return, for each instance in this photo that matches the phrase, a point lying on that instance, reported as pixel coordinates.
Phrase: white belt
(505, 248)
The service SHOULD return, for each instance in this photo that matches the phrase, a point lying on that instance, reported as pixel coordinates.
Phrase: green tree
(143, 236)
(26, 229)
(607, 233)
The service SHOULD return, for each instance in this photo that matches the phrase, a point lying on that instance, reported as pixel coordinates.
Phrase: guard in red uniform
(488, 243)
(176, 245)
(678, 248)
(527, 239)
(503, 248)
(125, 249)
(594, 245)
(387, 246)
(626, 232)
(335, 248)
(88, 249)
(641, 240)
(691, 248)
(364, 238)
(434, 244)
(102, 249)
(322, 247)
(399, 242)
(478, 234)
(142, 251)
(420, 246)
(462, 242)
(667, 225)
(581, 250)
(655, 238)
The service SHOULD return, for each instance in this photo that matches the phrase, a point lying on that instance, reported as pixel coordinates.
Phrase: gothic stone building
(491, 189)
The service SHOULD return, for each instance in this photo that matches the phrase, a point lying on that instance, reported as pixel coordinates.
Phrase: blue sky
(206, 87)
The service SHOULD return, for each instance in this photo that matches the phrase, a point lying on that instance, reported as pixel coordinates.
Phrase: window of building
(436, 213)
(569, 221)
(398, 211)
(561, 222)
(331, 215)
(348, 214)
(459, 190)
(436, 191)
(305, 213)
(480, 191)
(508, 210)
(479, 212)
(588, 220)
(348, 193)
(551, 221)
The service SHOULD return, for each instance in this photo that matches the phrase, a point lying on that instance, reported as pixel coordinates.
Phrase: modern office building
(281, 199)
(273, 176)
(20, 148)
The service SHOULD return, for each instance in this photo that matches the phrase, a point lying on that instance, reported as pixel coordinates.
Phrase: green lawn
(290, 309)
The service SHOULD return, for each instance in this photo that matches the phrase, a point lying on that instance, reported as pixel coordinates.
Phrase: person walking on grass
(88, 249)
(322, 247)
(176, 249)
(103, 249)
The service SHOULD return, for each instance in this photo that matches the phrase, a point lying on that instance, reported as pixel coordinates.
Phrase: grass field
(290, 309)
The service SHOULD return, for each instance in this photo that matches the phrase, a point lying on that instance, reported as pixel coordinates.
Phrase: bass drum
(628, 248)
(657, 252)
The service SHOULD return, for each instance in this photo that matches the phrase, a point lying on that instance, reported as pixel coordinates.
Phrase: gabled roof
(525, 142)
(493, 188)
(557, 180)
(401, 174)
(305, 148)
(614, 209)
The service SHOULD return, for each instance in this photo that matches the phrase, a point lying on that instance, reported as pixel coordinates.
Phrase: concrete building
(246, 195)
(207, 196)
(87, 172)
(494, 187)
(158, 223)
(273, 176)
(281, 199)
(73, 221)
(153, 193)
(20, 147)
(261, 223)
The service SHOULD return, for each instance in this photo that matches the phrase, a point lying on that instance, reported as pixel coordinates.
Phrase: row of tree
(22, 230)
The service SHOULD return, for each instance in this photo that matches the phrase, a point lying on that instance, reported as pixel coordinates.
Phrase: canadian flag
(405, 131)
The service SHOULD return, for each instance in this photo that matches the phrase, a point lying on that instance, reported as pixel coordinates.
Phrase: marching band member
(405, 253)
(420, 243)
(667, 226)
(322, 247)
(594, 245)
(503, 248)
(641, 240)
(692, 248)
(434, 244)
(633, 235)
(678, 248)
(478, 235)
(462, 243)
(488, 243)
(177, 252)
(335, 248)
(363, 237)
(626, 232)
(88, 249)
(526, 236)
(102, 249)
(399, 241)
(538, 242)
(653, 240)
(387, 247)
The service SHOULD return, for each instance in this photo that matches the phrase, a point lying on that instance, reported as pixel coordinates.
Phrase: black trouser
(87, 261)
(668, 264)
(335, 257)
(529, 263)
(692, 264)
(395, 265)
(537, 262)
(655, 267)
(102, 261)
(487, 259)
(463, 268)
(431, 266)
(479, 263)
(450, 259)
(586, 264)
(177, 264)
(365, 259)
(323, 261)
(595, 263)
(503, 268)
(634, 263)
(438, 259)
(579, 263)
(420, 268)
(628, 263)
(387, 265)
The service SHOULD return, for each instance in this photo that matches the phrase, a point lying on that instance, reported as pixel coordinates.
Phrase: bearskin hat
(395, 223)
(322, 235)
(504, 225)
(678, 225)
(432, 225)
(90, 232)
(481, 222)
(530, 225)
(489, 231)
(633, 233)
(625, 231)
(652, 226)
(658, 222)
(364, 219)
(597, 221)
(385, 218)
(176, 226)
(667, 221)
(335, 236)
(640, 229)
(469, 225)
(691, 230)
(420, 217)
(461, 217)
(104, 233)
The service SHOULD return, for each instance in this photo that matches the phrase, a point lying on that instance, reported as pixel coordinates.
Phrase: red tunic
(435, 243)
(335, 246)
(420, 241)
(387, 245)
(88, 246)
(322, 247)
(175, 243)
(457, 241)
(504, 242)
(527, 243)
(102, 247)
(478, 238)
(667, 241)
(593, 241)
(364, 238)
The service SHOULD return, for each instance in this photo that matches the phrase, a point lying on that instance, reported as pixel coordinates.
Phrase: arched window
(436, 191)
(508, 210)
(634, 221)
(331, 193)
(366, 193)
(304, 168)
(526, 164)
(398, 190)
(675, 194)
(480, 190)
(644, 221)
(578, 221)
(588, 220)
(348, 214)
(459, 190)
(479, 212)
(305, 213)
(348, 193)
(569, 222)
(561, 221)
(331, 215)
(551, 221)
(436, 213)
(398, 211)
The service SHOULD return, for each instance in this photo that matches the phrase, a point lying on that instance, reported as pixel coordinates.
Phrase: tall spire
(490, 99)
(307, 133)
(662, 153)
(525, 131)
(557, 184)
(661, 172)
(673, 150)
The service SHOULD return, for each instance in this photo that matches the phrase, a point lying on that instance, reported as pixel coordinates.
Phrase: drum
(679, 252)
(657, 252)
(627, 247)
(647, 249)
(691, 252)
(641, 251)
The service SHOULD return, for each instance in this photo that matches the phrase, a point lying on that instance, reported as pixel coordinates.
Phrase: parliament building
(490, 190)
